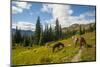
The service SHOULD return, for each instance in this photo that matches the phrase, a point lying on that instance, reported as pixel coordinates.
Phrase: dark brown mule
(81, 40)
(57, 45)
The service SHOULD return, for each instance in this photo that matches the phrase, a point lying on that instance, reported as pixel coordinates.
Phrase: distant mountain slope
(24, 32)
(76, 27)
(70, 28)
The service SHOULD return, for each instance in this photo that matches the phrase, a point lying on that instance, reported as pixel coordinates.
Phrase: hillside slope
(44, 55)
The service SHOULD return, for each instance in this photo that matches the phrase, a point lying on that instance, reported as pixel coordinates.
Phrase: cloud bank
(24, 26)
(64, 14)
(18, 7)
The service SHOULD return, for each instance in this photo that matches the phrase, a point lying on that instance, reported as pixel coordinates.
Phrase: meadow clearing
(44, 54)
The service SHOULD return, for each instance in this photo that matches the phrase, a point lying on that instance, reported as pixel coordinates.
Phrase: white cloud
(16, 10)
(64, 14)
(80, 20)
(57, 10)
(88, 14)
(18, 7)
(24, 26)
(45, 8)
(14, 25)
(23, 5)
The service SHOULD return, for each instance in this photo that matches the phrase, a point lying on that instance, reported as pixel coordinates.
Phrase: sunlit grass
(89, 53)
(44, 55)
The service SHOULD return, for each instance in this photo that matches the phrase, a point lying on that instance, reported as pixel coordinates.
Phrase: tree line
(40, 37)
(43, 36)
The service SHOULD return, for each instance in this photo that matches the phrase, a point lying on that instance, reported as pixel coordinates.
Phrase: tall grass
(44, 55)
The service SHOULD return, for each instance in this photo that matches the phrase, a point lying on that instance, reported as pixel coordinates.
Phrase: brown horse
(81, 40)
(57, 45)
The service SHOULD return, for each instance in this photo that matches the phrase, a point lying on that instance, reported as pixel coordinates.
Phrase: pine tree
(26, 41)
(46, 32)
(60, 31)
(50, 34)
(17, 36)
(57, 31)
(37, 31)
(31, 41)
(41, 41)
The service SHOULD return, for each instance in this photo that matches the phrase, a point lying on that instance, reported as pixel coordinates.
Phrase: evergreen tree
(60, 32)
(37, 31)
(31, 41)
(41, 41)
(17, 36)
(50, 34)
(46, 32)
(57, 31)
(26, 41)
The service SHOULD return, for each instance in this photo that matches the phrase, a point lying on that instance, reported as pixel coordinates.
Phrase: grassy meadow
(44, 54)
(50, 33)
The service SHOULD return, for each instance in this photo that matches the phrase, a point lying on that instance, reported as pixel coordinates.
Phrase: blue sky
(24, 14)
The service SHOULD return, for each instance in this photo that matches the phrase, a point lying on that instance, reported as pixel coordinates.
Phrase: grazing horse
(81, 40)
(57, 45)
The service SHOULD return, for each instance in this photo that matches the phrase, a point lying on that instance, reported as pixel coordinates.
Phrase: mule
(57, 45)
